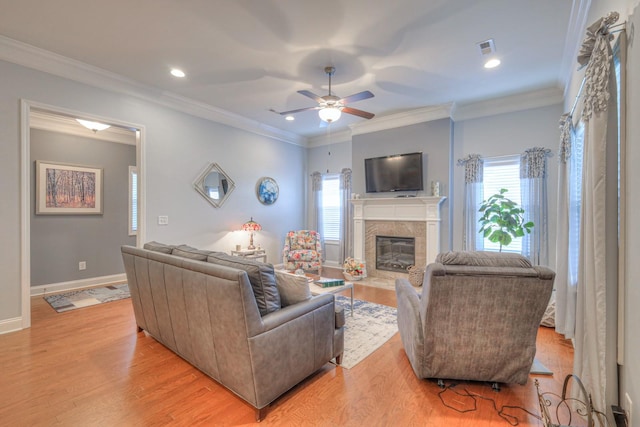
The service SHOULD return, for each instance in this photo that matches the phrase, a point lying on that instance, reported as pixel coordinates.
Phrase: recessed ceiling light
(290, 118)
(177, 72)
(492, 63)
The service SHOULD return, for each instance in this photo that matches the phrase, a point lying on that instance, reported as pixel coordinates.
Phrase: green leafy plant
(502, 220)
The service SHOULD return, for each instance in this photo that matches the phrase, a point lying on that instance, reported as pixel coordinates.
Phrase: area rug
(87, 297)
(371, 326)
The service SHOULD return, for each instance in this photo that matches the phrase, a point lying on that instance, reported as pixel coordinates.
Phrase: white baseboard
(77, 284)
(10, 325)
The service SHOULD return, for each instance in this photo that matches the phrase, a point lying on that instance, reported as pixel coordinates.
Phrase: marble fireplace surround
(417, 217)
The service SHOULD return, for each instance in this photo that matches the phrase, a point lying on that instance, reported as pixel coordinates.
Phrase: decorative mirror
(214, 185)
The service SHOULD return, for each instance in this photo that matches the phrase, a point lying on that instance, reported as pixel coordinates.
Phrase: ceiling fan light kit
(331, 107)
(330, 114)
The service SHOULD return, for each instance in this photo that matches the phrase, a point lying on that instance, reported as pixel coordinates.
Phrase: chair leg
(339, 359)
(495, 387)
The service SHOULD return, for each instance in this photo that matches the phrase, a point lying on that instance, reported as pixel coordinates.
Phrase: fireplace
(415, 217)
(395, 253)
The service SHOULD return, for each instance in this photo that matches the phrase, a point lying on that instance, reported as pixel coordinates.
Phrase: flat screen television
(400, 172)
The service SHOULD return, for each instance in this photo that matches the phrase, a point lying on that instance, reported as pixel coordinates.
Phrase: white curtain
(533, 187)
(346, 215)
(568, 225)
(591, 360)
(473, 195)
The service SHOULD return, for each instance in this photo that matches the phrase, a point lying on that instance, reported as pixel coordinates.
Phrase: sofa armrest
(340, 317)
(286, 314)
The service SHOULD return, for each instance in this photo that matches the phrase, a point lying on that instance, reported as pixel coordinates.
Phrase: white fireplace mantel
(426, 209)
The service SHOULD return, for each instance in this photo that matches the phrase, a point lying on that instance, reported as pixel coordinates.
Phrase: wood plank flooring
(89, 367)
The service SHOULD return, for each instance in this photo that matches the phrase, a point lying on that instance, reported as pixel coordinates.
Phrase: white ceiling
(250, 56)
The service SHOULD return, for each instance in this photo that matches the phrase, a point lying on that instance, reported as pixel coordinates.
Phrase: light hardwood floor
(89, 367)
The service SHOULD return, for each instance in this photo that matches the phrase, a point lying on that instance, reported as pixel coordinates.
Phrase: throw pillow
(261, 276)
(185, 251)
(483, 259)
(292, 288)
(159, 247)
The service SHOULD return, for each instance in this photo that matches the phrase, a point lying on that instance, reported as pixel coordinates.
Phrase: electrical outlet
(82, 265)
(163, 220)
(629, 409)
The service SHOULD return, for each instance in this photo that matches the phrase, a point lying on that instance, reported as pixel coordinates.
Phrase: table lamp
(251, 226)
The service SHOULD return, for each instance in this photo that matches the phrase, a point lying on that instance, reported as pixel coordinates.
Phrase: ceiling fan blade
(357, 97)
(311, 95)
(299, 110)
(357, 112)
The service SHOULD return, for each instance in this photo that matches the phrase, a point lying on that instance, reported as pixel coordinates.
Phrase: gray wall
(432, 138)
(59, 242)
(178, 147)
(508, 134)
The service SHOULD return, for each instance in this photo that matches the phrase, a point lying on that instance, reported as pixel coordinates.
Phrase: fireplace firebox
(395, 253)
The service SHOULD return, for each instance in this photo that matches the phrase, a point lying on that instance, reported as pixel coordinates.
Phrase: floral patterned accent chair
(302, 250)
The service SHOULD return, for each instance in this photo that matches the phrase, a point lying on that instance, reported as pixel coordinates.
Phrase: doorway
(36, 117)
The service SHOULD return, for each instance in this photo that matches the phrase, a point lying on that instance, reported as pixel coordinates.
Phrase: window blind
(331, 207)
(503, 172)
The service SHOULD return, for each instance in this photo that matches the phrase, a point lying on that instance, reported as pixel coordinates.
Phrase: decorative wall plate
(267, 190)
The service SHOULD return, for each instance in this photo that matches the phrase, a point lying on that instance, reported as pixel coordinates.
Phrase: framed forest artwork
(64, 189)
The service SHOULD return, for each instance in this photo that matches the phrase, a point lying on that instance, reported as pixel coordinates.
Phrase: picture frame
(267, 190)
(68, 189)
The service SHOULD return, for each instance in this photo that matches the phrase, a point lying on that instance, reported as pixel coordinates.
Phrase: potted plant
(353, 269)
(502, 220)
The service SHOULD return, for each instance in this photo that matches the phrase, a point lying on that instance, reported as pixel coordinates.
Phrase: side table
(257, 254)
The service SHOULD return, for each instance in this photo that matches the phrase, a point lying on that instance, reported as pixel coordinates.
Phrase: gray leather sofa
(206, 307)
(477, 317)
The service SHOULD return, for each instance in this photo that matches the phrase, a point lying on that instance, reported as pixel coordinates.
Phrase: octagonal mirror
(214, 185)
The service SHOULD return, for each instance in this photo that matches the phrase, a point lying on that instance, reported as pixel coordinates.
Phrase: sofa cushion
(483, 259)
(293, 288)
(159, 247)
(261, 276)
(186, 251)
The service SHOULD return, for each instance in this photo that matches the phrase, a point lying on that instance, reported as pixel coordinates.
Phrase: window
(502, 172)
(133, 200)
(330, 207)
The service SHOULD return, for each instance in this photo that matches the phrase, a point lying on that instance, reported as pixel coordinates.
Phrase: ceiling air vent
(487, 47)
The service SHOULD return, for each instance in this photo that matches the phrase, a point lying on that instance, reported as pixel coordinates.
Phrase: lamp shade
(251, 225)
(330, 114)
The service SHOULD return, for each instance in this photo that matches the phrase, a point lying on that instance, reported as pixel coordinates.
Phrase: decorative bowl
(350, 277)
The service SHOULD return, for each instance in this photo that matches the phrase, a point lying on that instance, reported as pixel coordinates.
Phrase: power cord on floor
(511, 419)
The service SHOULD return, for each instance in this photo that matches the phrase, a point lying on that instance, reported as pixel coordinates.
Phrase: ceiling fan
(330, 107)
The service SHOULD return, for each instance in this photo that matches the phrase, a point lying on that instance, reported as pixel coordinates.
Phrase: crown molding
(42, 60)
(405, 118)
(334, 138)
(573, 41)
(508, 104)
(68, 125)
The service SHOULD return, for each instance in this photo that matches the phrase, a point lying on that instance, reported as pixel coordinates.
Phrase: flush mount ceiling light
(94, 126)
(289, 118)
(176, 72)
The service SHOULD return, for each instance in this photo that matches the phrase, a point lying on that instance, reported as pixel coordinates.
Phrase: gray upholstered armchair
(477, 317)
